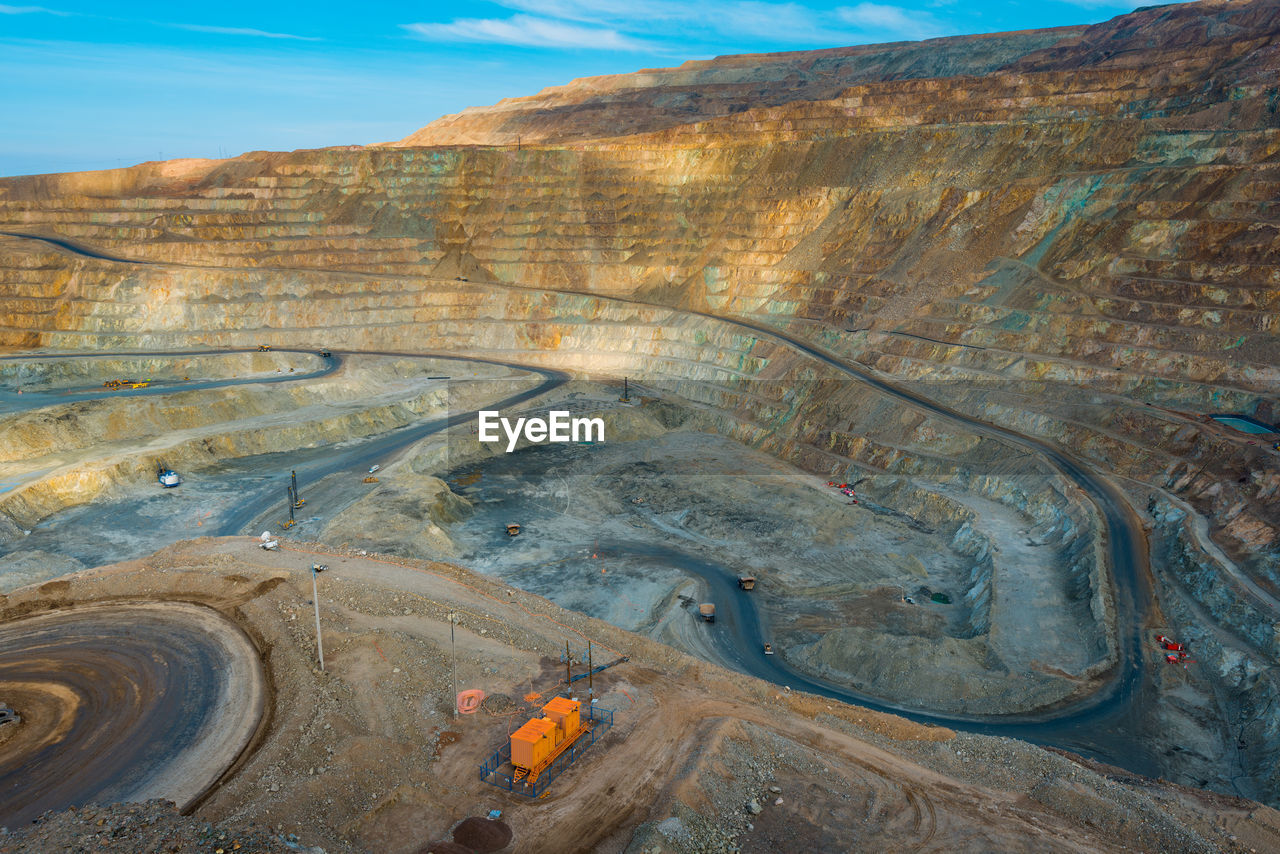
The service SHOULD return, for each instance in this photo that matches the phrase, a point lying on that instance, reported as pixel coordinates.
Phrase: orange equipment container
(533, 743)
(565, 713)
(539, 742)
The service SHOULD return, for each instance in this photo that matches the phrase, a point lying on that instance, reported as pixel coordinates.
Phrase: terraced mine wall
(1246, 678)
(53, 372)
(1187, 564)
(989, 664)
(200, 428)
(1073, 234)
(756, 390)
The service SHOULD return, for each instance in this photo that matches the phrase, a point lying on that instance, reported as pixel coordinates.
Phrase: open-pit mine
(935, 509)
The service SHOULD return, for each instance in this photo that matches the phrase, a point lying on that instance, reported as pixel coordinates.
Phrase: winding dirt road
(127, 703)
(1095, 720)
(124, 703)
(10, 402)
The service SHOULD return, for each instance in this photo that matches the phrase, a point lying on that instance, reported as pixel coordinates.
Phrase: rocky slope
(1072, 233)
(1035, 215)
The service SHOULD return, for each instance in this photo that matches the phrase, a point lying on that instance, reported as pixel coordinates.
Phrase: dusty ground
(154, 826)
(369, 757)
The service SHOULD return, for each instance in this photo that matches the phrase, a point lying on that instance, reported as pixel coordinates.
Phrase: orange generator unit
(541, 740)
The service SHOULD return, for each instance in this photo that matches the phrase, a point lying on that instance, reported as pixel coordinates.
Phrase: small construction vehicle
(325, 354)
(168, 478)
(768, 649)
(264, 348)
(513, 530)
(707, 611)
(747, 582)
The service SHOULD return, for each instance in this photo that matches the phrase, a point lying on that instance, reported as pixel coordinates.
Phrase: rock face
(1062, 226)
(1070, 232)
(659, 98)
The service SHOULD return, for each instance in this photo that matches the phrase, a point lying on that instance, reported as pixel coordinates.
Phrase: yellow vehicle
(264, 348)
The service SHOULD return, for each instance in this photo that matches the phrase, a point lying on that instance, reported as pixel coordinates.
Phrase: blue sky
(96, 85)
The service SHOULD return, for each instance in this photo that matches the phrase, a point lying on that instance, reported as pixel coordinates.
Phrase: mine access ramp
(544, 747)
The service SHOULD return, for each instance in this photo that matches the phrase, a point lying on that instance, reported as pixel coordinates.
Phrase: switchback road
(1090, 717)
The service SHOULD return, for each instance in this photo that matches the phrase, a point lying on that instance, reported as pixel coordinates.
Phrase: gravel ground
(147, 828)
(369, 757)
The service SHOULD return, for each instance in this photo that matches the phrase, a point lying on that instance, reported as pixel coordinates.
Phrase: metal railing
(498, 771)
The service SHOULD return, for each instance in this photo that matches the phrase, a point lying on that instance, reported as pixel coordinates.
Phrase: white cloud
(30, 10)
(740, 17)
(527, 31)
(892, 20)
(240, 31)
(1119, 5)
(722, 22)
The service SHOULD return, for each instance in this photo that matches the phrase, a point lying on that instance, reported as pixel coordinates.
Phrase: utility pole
(453, 661)
(591, 682)
(315, 597)
(568, 675)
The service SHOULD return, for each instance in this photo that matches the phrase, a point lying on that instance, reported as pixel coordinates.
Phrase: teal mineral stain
(1070, 200)
(1016, 321)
